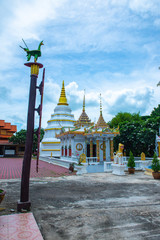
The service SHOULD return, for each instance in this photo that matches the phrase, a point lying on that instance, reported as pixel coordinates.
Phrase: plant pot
(71, 168)
(131, 170)
(2, 194)
(156, 175)
(81, 169)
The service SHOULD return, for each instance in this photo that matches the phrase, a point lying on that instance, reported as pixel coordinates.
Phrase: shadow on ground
(93, 206)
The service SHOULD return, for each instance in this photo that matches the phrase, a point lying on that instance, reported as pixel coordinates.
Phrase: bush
(131, 162)
(155, 163)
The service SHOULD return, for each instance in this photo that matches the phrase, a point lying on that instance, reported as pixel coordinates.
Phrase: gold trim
(34, 69)
(79, 146)
(66, 133)
(48, 129)
(61, 120)
(51, 150)
(71, 115)
(50, 142)
(101, 146)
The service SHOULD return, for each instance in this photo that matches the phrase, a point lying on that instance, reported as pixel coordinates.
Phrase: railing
(108, 167)
(63, 162)
(139, 165)
(91, 160)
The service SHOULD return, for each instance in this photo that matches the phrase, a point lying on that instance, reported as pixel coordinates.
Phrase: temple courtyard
(91, 206)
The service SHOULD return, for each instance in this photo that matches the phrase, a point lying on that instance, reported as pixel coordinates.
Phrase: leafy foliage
(131, 162)
(122, 117)
(136, 137)
(20, 138)
(155, 163)
(156, 112)
(137, 133)
(35, 139)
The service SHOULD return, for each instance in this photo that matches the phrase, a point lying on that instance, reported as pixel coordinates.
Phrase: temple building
(8, 148)
(87, 139)
(66, 138)
(60, 119)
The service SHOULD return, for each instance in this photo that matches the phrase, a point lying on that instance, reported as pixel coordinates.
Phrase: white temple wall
(79, 145)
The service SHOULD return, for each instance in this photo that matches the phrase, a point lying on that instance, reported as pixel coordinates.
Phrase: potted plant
(131, 163)
(155, 167)
(2, 194)
(71, 167)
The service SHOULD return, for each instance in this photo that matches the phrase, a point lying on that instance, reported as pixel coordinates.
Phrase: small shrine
(87, 138)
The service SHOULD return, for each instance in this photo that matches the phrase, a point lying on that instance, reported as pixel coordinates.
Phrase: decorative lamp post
(24, 202)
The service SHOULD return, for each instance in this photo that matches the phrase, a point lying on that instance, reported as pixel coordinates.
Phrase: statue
(118, 165)
(143, 156)
(34, 53)
(118, 158)
(82, 158)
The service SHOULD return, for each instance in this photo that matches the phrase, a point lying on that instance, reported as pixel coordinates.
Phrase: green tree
(122, 117)
(136, 137)
(131, 162)
(156, 112)
(35, 139)
(155, 163)
(20, 138)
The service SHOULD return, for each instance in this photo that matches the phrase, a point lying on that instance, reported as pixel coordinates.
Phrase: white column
(61, 145)
(72, 146)
(64, 147)
(107, 150)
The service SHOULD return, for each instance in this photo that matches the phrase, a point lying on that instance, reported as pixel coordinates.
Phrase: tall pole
(24, 202)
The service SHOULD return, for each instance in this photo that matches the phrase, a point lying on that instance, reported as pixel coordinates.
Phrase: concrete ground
(92, 206)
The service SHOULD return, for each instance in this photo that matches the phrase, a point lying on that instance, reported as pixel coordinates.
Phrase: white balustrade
(108, 167)
(91, 160)
(139, 165)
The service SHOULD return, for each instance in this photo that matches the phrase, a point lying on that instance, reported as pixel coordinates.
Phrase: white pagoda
(62, 119)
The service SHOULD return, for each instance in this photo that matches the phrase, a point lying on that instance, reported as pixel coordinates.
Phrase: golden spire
(83, 119)
(84, 102)
(101, 122)
(63, 99)
(100, 105)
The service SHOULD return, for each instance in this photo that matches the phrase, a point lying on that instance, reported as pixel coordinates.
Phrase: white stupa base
(118, 169)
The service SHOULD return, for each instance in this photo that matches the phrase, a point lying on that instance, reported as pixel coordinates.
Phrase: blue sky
(110, 47)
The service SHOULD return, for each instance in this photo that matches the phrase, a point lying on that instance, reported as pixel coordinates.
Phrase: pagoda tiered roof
(83, 119)
(101, 122)
(6, 130)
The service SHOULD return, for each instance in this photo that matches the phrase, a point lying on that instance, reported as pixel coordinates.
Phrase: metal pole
(24, 202)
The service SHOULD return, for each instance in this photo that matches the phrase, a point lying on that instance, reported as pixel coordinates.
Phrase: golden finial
(100, 105)
(84, 102)
(63, 99)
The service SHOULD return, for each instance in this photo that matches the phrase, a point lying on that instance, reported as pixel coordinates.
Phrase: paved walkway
(18, 227)
(11, 168)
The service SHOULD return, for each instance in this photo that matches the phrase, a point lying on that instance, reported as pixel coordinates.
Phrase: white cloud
(144, 6)
(108, 47)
